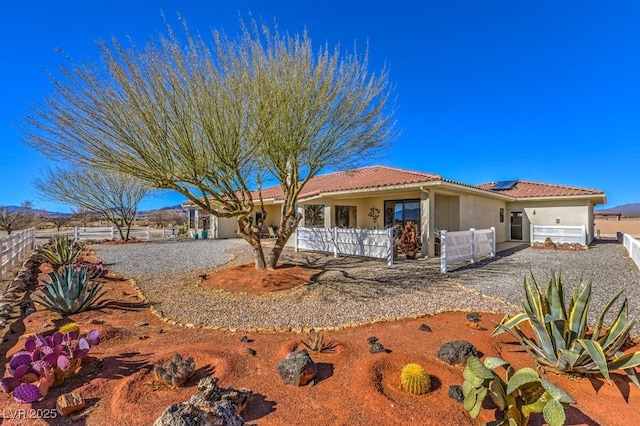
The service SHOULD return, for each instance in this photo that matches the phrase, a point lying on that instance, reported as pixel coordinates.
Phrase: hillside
(627, 210)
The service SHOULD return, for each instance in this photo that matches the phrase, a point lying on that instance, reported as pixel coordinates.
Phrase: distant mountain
(39, 212)
(146, 214)
(627, 210)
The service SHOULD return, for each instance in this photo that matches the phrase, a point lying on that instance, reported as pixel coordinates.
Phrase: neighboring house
(353, 199)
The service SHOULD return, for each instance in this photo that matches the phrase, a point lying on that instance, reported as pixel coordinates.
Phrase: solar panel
(504, 184)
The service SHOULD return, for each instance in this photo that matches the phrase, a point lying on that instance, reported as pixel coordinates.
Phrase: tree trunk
(246, 232)
(287, 228)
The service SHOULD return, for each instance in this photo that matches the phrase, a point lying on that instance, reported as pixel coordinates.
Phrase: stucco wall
(610, 227)
(559, 212)
(447, 214)
(483, 213)
(227, 227)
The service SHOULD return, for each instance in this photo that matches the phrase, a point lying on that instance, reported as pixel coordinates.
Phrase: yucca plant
(563, 342)
(524, 392)
(60, 252)
(69, 291)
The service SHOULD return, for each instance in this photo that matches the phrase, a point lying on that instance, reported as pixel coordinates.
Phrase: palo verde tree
(112, 195)
(213, 118)
(16, 218)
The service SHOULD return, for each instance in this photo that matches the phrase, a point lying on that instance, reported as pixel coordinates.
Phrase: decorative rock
(473, 317)
(377, 348)
(142, 324)
(297, 368)
(210, 405)
(245, 339)
(456, 352)
(69, 403)
(371, 340)
(251, 352)
(97, 321)
(455, 393)
(425, 327)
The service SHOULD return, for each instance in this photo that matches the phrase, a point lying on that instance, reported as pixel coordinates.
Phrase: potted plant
(409, 240)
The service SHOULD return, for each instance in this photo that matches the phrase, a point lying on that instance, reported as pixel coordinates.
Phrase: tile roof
(525, 189)
(366, 177)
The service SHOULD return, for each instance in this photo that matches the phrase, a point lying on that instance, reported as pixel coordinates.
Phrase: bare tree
(114, 196)
(82, 216)
(211, 120)
(16, 218)
(59, 221)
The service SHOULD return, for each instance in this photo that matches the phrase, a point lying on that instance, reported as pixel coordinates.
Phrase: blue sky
(546, 91)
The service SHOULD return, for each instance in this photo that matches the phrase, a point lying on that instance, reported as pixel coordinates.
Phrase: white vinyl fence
(633, 248)
(108, 233)
(15, 247)
(460, 246)
(559, 234)
(375, 243)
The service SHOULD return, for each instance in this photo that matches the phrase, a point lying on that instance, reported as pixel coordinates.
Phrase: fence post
(584, 235)
(532, 234)
(112, 234)
(295, 240)
(390, 246)
(473, 245)
(335, 242)
(75, 234)
(148, 233)
(443, 251)
(493, 241)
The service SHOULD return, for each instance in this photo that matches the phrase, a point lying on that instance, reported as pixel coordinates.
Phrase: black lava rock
(455, 393)
(456, 352)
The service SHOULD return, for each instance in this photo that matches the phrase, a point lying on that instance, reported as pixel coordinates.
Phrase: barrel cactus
(414, 379)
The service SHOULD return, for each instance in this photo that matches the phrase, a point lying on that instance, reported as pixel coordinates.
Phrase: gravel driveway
(353, 291)
(606, 263)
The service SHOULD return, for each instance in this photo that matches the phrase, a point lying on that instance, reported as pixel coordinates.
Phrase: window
(346, 216)
(399, 212)
(314, 215)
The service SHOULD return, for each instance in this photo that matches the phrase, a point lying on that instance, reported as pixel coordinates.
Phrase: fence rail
(108, 233)
(460, 246)
(374, 243)
(15, 247)
(559, 234)
(633, 248)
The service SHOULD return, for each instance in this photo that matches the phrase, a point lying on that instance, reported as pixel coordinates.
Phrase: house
(380, 197)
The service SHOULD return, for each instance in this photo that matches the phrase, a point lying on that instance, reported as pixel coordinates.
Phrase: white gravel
(353, 291)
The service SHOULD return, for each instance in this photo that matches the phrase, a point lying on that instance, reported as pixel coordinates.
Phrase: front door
(517, 223)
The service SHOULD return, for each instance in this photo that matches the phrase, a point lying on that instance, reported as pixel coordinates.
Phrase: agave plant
(563, 341)
(69, 291)
(523, 393)
(60, 252)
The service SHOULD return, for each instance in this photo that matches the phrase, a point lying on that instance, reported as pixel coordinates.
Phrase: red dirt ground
(353, 386)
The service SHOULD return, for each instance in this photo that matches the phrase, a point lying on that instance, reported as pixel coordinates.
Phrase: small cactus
(176, 371)
(414, 379)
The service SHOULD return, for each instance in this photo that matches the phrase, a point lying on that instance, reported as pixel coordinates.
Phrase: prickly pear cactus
(414, 379)
(176, 371)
